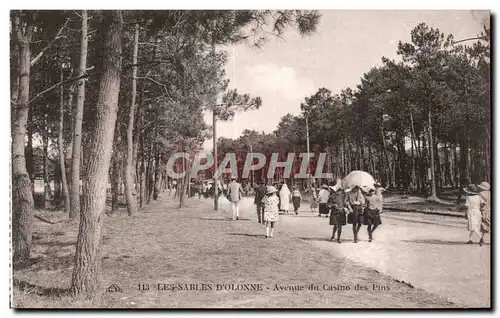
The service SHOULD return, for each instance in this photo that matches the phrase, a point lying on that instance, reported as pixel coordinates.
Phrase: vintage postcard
(250, 159)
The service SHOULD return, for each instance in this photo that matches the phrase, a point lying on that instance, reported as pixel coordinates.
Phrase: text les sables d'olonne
(261, 287)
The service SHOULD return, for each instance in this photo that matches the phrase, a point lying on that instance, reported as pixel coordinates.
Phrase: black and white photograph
(250, 158)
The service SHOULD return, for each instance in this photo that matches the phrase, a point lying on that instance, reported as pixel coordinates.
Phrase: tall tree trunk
(361, 155)
(149, 175)
(182, 193)
(158, 177)
(415, 161)
(115, 169)
(455, 174)
(135, 155)
(115, 181)
(130, 195)
(45, 154)
(432, 160)
(386, 156)
(487, 160)
(142, 170)
(370, 161)
(413, 170)
(420, 167)
(77, 127)
(437, 163)
(62, 157)
(22, 194)
(87, 258)
(29, 150)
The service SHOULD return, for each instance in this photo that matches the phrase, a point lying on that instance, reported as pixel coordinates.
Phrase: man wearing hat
(260, 193)
(235, 192)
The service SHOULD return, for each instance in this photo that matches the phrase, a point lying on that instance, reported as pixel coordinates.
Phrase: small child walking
(271, 210)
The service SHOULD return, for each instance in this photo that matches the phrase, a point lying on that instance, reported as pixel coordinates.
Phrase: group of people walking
(352, 206)
(343, 206)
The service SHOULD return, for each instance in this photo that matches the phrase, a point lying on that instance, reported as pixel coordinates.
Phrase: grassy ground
(195, 245)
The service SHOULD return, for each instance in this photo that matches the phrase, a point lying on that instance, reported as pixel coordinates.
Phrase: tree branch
(470, 39)
(149, 62)
(37, 58)
(56, 86)
(154, 81)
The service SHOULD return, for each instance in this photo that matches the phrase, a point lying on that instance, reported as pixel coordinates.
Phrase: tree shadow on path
(40, 290)
(441, 242)
(249, 235)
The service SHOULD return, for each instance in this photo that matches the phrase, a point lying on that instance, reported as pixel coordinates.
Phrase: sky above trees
(347, 44)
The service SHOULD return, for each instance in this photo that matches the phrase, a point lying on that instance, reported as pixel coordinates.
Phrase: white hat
(485, 186)
(270, 190)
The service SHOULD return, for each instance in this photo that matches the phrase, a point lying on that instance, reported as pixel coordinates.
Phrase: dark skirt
(323, 208)
(296, 202)
(356, 217)
(372, 217)
(338, 217)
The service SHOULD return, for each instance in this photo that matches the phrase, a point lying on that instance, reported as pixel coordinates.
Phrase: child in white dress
(271, 210)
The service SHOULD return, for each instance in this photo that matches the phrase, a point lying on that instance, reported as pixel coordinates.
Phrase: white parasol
(359, 178)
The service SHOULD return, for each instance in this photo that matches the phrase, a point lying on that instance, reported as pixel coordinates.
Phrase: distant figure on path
(260, 193)
(355, 201)
(313, 199)
(285, 198)
(337, 213)
(235, 193)
(296, 198)
(473, 202)
(484, 193)
(271, 212)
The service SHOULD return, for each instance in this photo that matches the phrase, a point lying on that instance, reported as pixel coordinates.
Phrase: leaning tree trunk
(130, 194)
(77, 127)
(22, 195)
(87, 257)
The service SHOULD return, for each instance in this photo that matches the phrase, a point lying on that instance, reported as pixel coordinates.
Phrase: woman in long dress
(285, 198)
(473, 202)
(484, 193)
